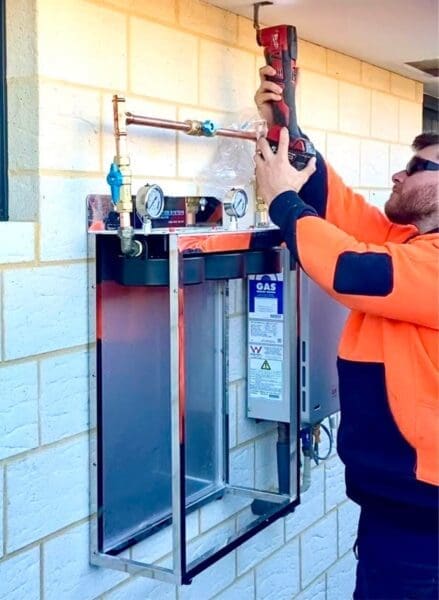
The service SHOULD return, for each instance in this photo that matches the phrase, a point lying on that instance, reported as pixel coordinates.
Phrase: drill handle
(284, 110)
(280, 51)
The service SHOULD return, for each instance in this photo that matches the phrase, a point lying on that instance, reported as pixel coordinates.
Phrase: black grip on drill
(280, 51)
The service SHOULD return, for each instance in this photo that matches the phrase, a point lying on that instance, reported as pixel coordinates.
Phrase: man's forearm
(285, 210)
(315, 190)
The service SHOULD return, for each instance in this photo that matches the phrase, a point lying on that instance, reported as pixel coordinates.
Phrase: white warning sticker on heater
(266, 307)
(265, 378)
(263, 332)
(267, 351)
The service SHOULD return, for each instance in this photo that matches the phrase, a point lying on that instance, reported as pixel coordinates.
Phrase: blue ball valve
(208, 128)
(115, 180)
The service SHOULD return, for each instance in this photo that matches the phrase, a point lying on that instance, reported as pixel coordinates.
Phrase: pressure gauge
(236, 202)
(150, 202)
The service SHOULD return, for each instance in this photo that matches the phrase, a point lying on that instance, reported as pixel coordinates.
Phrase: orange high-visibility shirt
(388, 275)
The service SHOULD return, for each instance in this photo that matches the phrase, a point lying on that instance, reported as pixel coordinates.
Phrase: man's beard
(411, 207)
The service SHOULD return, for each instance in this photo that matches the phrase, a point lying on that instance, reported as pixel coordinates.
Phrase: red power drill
(280, 51)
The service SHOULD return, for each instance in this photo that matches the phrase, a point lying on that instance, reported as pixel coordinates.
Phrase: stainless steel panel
(134, 359)
(321, 323)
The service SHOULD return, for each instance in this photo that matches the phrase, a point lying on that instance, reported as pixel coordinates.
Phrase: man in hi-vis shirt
(385, 269)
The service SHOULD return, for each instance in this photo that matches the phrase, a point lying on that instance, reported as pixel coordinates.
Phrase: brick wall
(172, 59)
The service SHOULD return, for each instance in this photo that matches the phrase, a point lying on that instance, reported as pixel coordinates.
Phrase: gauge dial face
(236, 203)
(155, 201)
(150, 201)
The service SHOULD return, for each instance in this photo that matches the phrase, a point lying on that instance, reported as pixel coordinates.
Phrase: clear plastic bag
(233, 164)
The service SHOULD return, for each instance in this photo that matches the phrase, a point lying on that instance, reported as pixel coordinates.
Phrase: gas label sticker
(265, 298)
(265, 337)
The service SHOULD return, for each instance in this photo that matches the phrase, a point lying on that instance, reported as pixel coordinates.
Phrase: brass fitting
(206, 128)
(129, 246)
(122, 159)
(192, 204)
(125, 203)
(261, 213)
(194, 127)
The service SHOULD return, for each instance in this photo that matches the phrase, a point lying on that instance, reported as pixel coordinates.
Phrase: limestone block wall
(175, 59)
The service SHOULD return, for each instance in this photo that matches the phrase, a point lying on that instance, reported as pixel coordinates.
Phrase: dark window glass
(3, 118)
(431, 114)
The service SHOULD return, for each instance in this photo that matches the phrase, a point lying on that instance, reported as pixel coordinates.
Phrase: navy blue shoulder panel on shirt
(315, 190)
(364, 274)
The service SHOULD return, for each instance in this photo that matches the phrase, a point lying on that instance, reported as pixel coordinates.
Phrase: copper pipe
(132, 119)
(161, 123)
(236, 133)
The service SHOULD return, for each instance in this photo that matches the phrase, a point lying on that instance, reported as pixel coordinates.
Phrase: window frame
(430, 114)
(4, 214)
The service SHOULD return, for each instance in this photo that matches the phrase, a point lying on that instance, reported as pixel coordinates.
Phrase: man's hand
(274, 173)
(267, 92)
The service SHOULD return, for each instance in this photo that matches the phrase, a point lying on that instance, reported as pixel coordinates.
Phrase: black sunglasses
(420, 164)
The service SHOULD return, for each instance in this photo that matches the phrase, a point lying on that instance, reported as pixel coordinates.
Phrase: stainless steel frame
(181, 573)
(178, 406)
(321, 323)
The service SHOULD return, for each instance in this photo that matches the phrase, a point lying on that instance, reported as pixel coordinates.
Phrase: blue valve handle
(115, 180)
(208, 128)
